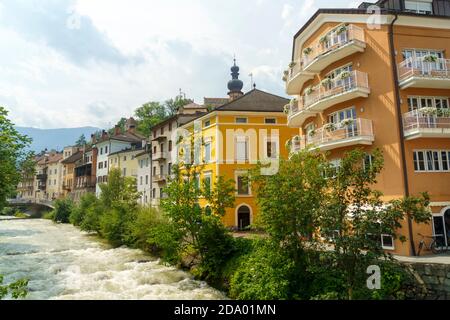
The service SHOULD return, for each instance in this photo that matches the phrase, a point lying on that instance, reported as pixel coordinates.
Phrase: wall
(432, 281)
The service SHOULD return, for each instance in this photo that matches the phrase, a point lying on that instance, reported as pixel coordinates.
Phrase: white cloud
(82, 62)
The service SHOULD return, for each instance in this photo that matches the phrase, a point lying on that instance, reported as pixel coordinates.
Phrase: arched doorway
(243, 217)
(441, 226)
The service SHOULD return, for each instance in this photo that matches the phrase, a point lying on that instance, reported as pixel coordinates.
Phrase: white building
(144, 184)
(108, 144)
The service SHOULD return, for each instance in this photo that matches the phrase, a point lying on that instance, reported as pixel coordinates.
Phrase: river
(61, 262)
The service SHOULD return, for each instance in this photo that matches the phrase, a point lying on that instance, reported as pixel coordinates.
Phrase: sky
(73, 63)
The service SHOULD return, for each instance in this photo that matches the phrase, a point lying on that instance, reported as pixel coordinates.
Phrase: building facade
(232, 138)
(144, 184)
(163, 142)
(385, 86)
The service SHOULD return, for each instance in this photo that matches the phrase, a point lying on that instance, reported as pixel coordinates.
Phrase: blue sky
(69, 63)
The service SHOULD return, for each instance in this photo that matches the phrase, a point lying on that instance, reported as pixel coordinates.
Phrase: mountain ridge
(55, 139)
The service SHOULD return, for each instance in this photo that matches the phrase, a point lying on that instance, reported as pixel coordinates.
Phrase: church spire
(235, 85)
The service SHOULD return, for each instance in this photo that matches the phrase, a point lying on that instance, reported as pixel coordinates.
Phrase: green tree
(17, 289)
(289, 200)
(78, 214)
(63, 210)
(355, 217)
(148, 115)
(12, 151)
(173, 105)
(121, 124)
(81, 141)
(200, 227)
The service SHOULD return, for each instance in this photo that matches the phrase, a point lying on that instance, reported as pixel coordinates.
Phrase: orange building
(382, 81)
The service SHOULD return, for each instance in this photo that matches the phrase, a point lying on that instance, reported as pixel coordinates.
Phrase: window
(207, 180)
(270, 120)
(153, 193)
(337, 117)
(161, 169)
(161, 147)
(141, 180)
(101, 150)
(162, 130)
(207, 123)
(422, 7)
(154, 134)
(106, 164)
(243, 186)
(367, 161)
(100, 165)
(154, 171)
(106, 150)
(124, 171)
(146, 179)
(207, 152)
(431, 160)
(241, 120)
(415, 103)
(387, 241)
(271, 149)
(241, 149)
(161, 193)
(124, 158)
(170, 145)
(169, 168)
(170, 126)
(141, 163)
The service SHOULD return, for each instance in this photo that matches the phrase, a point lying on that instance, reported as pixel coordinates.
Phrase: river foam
(63, 263)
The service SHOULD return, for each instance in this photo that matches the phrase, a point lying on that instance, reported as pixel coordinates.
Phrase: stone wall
(432, 281)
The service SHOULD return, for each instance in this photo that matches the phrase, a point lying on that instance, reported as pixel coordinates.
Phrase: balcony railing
(159, 178)
(159, 156)
(416, 72)
(348, 133)
(323, 96)
(432, 124)
(333, 42)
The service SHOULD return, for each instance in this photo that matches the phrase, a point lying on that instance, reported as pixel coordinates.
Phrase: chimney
(104, 134)
(130, 125)
(117, 130)
(93, 139)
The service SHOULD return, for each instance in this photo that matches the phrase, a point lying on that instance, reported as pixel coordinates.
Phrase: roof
(215, 102)
(143, 153)
(73, 158)
(124, 136)
(125, 151)
(360, 10)
(193, 105)
(50, 158)
(256, 101)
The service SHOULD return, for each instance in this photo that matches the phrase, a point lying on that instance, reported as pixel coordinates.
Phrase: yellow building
(126, 161)
(234, 137)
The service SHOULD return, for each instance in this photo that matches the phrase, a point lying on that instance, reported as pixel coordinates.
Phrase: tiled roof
(215, 102)
(124, 136)
(73, 158)
(256, 101)
(50, 158)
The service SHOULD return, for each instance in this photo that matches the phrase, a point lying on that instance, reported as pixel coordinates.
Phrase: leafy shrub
(164, 239)
(49, 215)
(113, 223)
(79, 211)
(91, 217)
(62, 211)
(17, 289)
(138, 230)
(264, 274)
(8, 211)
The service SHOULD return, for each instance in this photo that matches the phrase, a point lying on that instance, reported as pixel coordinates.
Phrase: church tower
(235, 85)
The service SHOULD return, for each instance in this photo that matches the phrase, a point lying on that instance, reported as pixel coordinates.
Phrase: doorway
(243, 217)
(441, 228)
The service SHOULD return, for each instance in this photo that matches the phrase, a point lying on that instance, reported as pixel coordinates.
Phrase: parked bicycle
(433, 246)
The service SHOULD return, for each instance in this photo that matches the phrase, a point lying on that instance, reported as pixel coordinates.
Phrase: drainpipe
(400, 127)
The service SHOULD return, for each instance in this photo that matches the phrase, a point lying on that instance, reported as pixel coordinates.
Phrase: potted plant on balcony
(326, 82)
(296, 139)
(312, 133)
(344, 75)
(430, 58)
(428, 111)
(288, 144)
(445, 113)
(341, 29)
(287, 108)
(284, 78)
(330, 127)
(323, 39)
(293, 102)
(347, 122)
(286, 73)
(309, 91)
(292, 64)
(307, 51)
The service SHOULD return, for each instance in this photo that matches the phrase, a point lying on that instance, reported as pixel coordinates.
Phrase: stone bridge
(35, 207)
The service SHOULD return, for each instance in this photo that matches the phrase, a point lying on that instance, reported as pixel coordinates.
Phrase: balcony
(349, 133)
(296, 78)
(352, 85)
(418, 73)
(160, 138)
(66, 187)
(41, 176)
(159, 156)
(334, 46)
(160, 178)
(417, 124)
